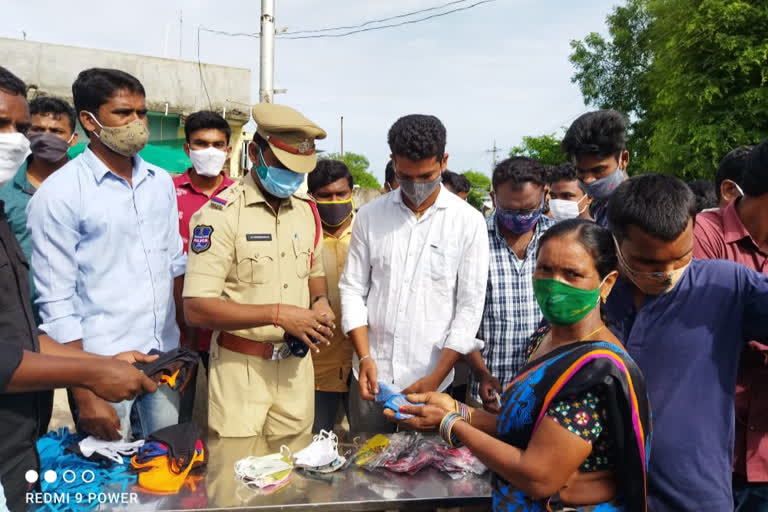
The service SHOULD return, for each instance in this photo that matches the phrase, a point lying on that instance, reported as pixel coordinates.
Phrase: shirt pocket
(254, 266)
(302, 250)
(442, 271)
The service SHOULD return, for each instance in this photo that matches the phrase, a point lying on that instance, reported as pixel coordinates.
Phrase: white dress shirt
(417, 283)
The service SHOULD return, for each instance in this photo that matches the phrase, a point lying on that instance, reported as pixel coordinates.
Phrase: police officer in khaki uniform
(255, 276)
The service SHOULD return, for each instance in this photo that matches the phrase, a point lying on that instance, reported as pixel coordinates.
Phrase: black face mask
(335, 213)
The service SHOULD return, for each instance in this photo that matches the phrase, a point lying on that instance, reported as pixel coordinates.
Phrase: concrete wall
(51, 69)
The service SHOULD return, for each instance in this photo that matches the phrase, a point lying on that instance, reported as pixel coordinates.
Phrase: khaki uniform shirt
(241, 251)
(333, 364)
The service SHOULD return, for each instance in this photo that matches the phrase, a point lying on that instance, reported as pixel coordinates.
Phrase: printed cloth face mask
(126, 140)
(520, 223)
(563, 304)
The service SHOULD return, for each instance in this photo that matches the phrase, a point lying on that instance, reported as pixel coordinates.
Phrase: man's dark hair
(704, 190)
(55, 106)
(457, 182)
(206, 120)
(12, 84)
(595, 239)
(658, 204)
(732, 167)
(755, 179)
(95, 86)
(562, 172)
(518, 171)
(602, 133)
(389, 173)
(326, 172)
(417, 137)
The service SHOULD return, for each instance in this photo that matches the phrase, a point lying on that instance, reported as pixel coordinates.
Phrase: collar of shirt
(184, 180)
(346, 233)
(20, 180)
(140, 168)
(733, 229)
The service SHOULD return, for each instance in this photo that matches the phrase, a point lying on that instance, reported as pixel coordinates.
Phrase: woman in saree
(574, 429)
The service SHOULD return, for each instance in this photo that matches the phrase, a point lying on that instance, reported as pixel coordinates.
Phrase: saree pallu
(571, 370)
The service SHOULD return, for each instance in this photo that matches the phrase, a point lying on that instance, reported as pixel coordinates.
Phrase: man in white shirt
(413, 287)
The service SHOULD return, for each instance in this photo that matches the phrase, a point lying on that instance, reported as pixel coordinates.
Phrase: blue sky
(498, 71)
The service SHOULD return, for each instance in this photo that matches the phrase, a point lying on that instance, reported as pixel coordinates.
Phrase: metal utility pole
(181, 30)
(342, 136)
(267, 61)
(493, 150)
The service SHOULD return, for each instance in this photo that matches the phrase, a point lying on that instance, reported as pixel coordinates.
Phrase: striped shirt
(511, 314)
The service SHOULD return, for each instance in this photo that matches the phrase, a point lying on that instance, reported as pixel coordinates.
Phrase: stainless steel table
(351, 489)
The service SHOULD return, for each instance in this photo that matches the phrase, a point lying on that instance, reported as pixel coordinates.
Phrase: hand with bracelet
(430, 416)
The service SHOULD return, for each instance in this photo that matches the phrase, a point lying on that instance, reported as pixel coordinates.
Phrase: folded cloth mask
(393, 400)
(168, 456)
(321, 453)
(112, 450)
(174, 368)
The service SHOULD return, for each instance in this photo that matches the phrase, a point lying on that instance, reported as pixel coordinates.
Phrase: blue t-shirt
(687, 343)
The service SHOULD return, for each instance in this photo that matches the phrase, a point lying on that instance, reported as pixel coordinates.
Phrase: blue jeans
(148, 413)
(749, 497)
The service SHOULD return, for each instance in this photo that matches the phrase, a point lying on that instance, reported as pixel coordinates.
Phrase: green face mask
(563, 304)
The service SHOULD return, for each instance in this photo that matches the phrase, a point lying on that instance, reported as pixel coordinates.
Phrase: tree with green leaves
(544, 148)
(710, 82)
(691, 75)
(481, 186)
(358, 167)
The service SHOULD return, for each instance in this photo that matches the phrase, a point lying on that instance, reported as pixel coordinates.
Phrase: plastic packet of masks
(456, 462)
(421, 455)
(400, 444)
(267, 473)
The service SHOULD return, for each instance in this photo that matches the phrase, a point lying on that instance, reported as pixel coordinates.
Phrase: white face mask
(208, 162)
(258, 471)
(321, 452)
(14, 148)
(562, 209)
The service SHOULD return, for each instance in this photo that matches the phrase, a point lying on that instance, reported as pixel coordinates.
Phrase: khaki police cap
(290, 135)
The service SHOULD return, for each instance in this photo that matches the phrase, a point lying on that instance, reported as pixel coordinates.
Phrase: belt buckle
(281, 352)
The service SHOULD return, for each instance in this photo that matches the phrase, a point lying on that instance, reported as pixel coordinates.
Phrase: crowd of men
(106, 257)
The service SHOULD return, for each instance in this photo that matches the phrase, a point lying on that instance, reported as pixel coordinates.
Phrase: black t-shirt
(19, 412)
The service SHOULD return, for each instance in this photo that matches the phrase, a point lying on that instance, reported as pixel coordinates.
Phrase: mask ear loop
(600, 286)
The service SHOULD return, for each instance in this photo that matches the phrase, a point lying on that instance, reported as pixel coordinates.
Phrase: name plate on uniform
(258, 237)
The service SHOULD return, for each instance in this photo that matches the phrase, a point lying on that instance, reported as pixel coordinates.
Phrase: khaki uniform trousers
(252, 396)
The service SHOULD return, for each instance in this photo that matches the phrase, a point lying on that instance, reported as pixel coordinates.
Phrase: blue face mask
(278, 182)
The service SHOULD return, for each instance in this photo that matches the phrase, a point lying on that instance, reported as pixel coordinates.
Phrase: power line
(356, 28)
(200, 69)
(409, 22)
(381, 20)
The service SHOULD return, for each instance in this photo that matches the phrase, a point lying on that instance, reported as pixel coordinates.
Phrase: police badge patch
(201, 238)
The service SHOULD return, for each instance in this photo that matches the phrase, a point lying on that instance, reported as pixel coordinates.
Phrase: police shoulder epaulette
(226, 197)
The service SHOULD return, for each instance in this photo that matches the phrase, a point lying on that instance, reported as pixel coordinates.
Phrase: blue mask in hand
(603, 188)
(278, 182)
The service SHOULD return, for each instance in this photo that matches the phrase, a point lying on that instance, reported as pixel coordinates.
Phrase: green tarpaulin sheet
(167, 154)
